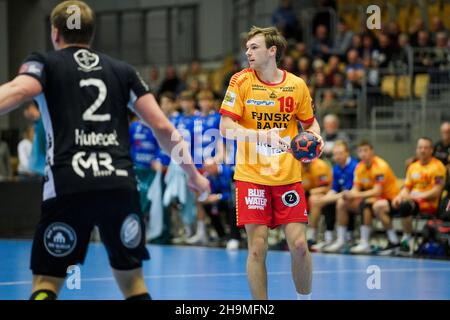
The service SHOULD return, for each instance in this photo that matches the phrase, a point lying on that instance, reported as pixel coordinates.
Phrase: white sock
(312, 234)
(392, 236)
(303, 296)
(201, 229)
(328, 236)
(365, 234)
(341, 230)
(406, 236)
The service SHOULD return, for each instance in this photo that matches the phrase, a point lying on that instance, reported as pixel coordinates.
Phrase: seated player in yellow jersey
(261, 110)
(374, 181)
(425, 179)
(317, 178)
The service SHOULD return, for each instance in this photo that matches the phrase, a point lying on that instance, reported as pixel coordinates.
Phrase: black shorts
(66, 223)
(396, 212)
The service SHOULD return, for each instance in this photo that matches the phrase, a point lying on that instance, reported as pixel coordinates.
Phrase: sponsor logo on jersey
(32, 67)
(290, 198)
(256, 199)
(230, 99)
(99, 163)
(131, 231)
(59, 239)
(288, 89)
(258, 103)
(86, 60)
(95, 139)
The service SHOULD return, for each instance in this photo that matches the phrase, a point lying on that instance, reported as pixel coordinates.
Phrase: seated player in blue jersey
(326, 204)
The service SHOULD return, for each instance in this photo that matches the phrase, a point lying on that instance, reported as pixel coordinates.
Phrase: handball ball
(305, 146)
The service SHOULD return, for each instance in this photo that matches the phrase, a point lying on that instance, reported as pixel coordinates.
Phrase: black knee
(43, 295)
(406, 209)
(329, 211)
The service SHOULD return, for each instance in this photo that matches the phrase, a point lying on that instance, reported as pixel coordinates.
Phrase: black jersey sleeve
(34, 66)
(137, 85)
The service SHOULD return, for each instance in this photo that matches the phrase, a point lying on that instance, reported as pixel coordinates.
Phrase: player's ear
(273, 50)
(56, 37)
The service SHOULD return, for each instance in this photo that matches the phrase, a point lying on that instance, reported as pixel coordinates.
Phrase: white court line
(242, 274)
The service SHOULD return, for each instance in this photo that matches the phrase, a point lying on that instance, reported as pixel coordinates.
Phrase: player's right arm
(169, 138)
(17, 91)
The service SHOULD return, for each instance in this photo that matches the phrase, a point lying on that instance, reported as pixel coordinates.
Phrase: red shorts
(270, 205)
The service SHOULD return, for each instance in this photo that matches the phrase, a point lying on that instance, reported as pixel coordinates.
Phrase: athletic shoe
(319, 247)
(361, 248)
(334, 247)
(197, 239)
(311, 242)
(390, 249)
(232, 245)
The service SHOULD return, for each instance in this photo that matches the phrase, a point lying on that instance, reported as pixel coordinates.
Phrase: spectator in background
(321, 43)
(39, 147)
(154, 81)
(285, 20)
(357, 44)
(343, 40)
(171, 82)
(5, 162)
(423, 56)
(436, 27)
(195, 72)
(24, 153)
(383, 56)
(331, 134)
(419, 25)
(323, 16)
(400, 56)
(368, 45)
(288, 64)
(304, 67)
(333, 67)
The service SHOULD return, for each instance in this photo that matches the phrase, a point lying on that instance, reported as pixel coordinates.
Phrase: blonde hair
(59, 19)
(272, 38)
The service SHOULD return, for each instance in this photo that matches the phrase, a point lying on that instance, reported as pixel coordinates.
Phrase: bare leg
(301, 258)
(131, 282)
(47, 283)
(256, 260)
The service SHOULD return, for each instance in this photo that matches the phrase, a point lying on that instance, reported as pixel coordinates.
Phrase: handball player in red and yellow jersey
(425, 179)
(261, 110)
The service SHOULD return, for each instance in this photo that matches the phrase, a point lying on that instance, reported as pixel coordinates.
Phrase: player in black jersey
(83, 97)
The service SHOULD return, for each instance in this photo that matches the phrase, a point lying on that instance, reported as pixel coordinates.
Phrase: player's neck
(426, 161)
(270, 74)
(64, 45)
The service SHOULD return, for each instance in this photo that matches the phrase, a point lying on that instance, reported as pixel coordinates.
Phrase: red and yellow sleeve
(305, 113)
(439, 174)
(233, 104)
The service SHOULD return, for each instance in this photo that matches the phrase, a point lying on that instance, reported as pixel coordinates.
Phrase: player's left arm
(17, 91)
(376, 191)
(431, 194)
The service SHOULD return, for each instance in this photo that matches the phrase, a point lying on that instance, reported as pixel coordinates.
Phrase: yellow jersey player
(260, 110)
(425, 179)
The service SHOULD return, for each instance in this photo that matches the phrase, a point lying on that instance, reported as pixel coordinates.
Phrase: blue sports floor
(204, 273)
